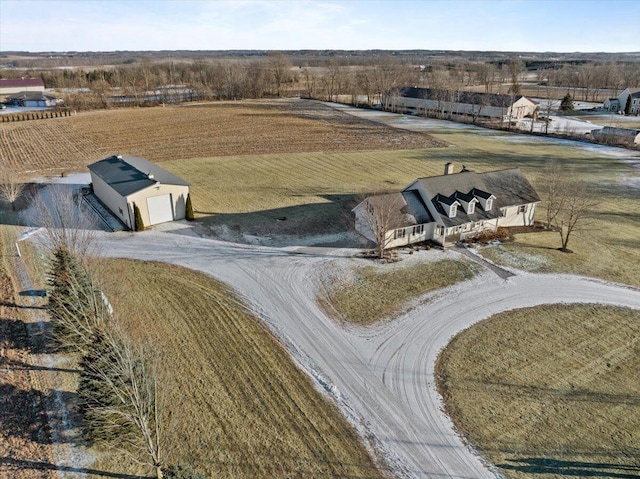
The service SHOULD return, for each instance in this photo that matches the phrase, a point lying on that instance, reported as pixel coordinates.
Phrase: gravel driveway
(382, 377)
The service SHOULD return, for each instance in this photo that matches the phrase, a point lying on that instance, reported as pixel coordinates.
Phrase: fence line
(35, 115)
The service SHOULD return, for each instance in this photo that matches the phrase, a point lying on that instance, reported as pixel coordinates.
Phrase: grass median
(369, 294)
(550, 391)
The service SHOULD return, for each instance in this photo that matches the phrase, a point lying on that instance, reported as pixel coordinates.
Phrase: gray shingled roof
(510, 187)
(411, 210)
(31, 95)
(467, 97)
(416, 207)
(127, 174)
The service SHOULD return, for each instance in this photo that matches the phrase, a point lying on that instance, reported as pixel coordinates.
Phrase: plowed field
(209, 130)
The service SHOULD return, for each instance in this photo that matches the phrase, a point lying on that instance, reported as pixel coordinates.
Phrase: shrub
(484, 237)
(137, 219)
(183, 472)
(189, 209)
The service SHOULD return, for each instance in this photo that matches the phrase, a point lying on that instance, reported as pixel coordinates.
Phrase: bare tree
(127, 372)
(57, 209)
(280, 70)
(577, 203)
(10, 186)
(377, 216)
(515, 68)
(552, 191)
(567, 202)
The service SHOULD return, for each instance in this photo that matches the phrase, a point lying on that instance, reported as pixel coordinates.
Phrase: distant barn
(119, 182)
(12, 86)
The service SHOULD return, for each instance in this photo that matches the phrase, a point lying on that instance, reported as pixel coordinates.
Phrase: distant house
(617, 136)
(454, 206)
(628, 102)
(448, 103)
(10, 86)
(32, 99)
(119, 182)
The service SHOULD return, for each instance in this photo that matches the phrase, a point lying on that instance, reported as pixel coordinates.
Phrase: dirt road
(382, 377)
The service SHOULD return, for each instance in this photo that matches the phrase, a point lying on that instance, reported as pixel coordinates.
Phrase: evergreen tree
(183, 472)
(137, 218)
(567, 103)
(627, 107)
(96, 394)
(70, 300)
(189, 209)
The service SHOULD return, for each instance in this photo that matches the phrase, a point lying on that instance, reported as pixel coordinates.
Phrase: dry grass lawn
(24, 448)
(238, 405)
(549, 392)
(371, 293)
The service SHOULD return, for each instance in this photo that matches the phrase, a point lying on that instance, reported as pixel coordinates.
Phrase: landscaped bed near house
(366, 294)
(550, 391)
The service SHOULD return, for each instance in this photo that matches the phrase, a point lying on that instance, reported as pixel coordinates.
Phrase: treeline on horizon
(361, 77)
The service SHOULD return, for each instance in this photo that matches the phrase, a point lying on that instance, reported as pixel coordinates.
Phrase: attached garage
(120, 182)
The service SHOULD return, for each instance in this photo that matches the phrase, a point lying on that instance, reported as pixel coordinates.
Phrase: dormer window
(471, 208)
(453, 210)
(489, 204)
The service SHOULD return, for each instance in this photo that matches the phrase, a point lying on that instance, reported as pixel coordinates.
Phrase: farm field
(552, 397)
(307, 176)
(238, 405)
(207, 130)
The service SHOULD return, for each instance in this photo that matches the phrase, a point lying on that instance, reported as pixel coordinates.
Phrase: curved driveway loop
(381, 377)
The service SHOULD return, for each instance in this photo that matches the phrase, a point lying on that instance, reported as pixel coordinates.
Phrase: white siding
(112, 200)
(178, 196)
(513, 217)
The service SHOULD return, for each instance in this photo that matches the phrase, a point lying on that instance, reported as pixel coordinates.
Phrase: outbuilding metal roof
(127, 174)
(21, 82)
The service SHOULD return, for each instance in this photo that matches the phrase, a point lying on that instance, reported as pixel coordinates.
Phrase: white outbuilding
(120, 182)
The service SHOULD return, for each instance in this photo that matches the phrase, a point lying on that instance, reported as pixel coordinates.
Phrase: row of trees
(119, 388)
(275, 74)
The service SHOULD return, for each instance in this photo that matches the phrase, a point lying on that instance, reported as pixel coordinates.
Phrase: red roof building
(10, 86)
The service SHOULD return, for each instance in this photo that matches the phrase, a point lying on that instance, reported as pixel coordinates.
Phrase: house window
(471, 209)
(439, 230)
(453, 209)
(399, 233)
(419, 229)
(522, 209)
(489, 204)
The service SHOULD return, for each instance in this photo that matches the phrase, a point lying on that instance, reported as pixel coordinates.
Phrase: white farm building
(120, 182)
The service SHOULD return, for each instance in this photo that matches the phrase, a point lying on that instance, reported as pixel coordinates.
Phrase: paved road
(381, 377)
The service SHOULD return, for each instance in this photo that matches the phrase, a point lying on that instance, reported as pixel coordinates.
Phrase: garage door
(160, 209)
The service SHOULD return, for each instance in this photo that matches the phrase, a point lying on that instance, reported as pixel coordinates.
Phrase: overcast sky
(525, 25)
